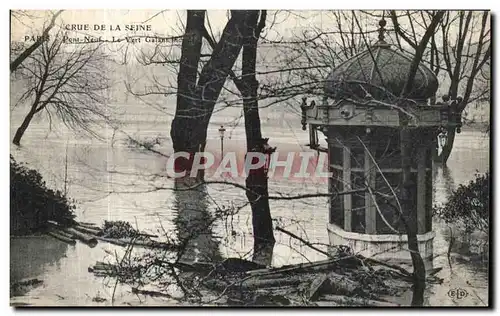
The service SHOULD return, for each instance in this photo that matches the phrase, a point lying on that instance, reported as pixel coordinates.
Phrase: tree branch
(19, 60)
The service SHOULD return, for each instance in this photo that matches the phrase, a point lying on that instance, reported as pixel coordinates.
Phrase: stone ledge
(381, 246)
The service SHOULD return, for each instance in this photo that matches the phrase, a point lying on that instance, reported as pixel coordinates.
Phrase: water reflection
(31, 256)
(443, 183)
(194, 224)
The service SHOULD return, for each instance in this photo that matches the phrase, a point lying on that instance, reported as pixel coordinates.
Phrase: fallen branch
(90, 240)
(62, 238)
(355, 301)
(63, 233)
(315, 195)
(87, 230)
(88, 225)
(150, 293)
(318, 266)
(392, 266)
(253, 284)
(144, 243)
(305, 242)
(147, 235)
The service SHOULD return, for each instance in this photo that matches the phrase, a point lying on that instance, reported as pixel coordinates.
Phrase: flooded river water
(111, 181)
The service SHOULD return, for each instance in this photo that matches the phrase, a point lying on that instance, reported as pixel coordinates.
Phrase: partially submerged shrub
(32, 204)
(469, 205)
(118, 229)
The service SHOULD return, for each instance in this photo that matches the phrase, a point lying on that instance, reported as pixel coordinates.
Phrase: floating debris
(62, 237)
(343, 280)
(119, 233)
(86, 238)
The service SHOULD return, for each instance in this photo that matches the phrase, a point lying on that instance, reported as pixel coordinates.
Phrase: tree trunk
(410, 213)
(408, 208)
(193, 113)
(215, 71)
(256, 181)
(20, 131)
(182, 136)
(26, 53)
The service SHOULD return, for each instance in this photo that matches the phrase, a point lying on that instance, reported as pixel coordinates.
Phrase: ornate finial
(381, 30)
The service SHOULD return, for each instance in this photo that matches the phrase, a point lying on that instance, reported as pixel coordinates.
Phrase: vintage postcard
(282, 158)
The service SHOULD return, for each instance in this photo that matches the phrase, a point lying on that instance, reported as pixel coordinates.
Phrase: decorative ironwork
(382, 23)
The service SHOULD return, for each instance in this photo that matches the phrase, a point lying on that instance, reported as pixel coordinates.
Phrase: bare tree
(28, 51)
(186, 81)
(406, 144)
(245, 34)
(210, 83)
(256, 182)
(68, 81)
(461, 50)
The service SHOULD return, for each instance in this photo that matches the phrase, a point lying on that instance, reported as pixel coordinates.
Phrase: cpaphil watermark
(288, 165)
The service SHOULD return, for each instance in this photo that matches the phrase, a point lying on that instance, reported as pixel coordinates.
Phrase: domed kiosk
(360, 117)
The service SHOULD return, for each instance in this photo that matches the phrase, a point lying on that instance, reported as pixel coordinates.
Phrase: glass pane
(337, 202)
(336, 155)
(358, 203)
(387, 203)
(357, 157)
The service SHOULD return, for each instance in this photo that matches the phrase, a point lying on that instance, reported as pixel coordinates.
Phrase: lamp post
(221, 133)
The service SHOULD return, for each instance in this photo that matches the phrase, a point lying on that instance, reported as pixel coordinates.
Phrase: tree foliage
(469, 205)
(32, 203)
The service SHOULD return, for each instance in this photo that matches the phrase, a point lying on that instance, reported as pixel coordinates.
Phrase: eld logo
(458, 293)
